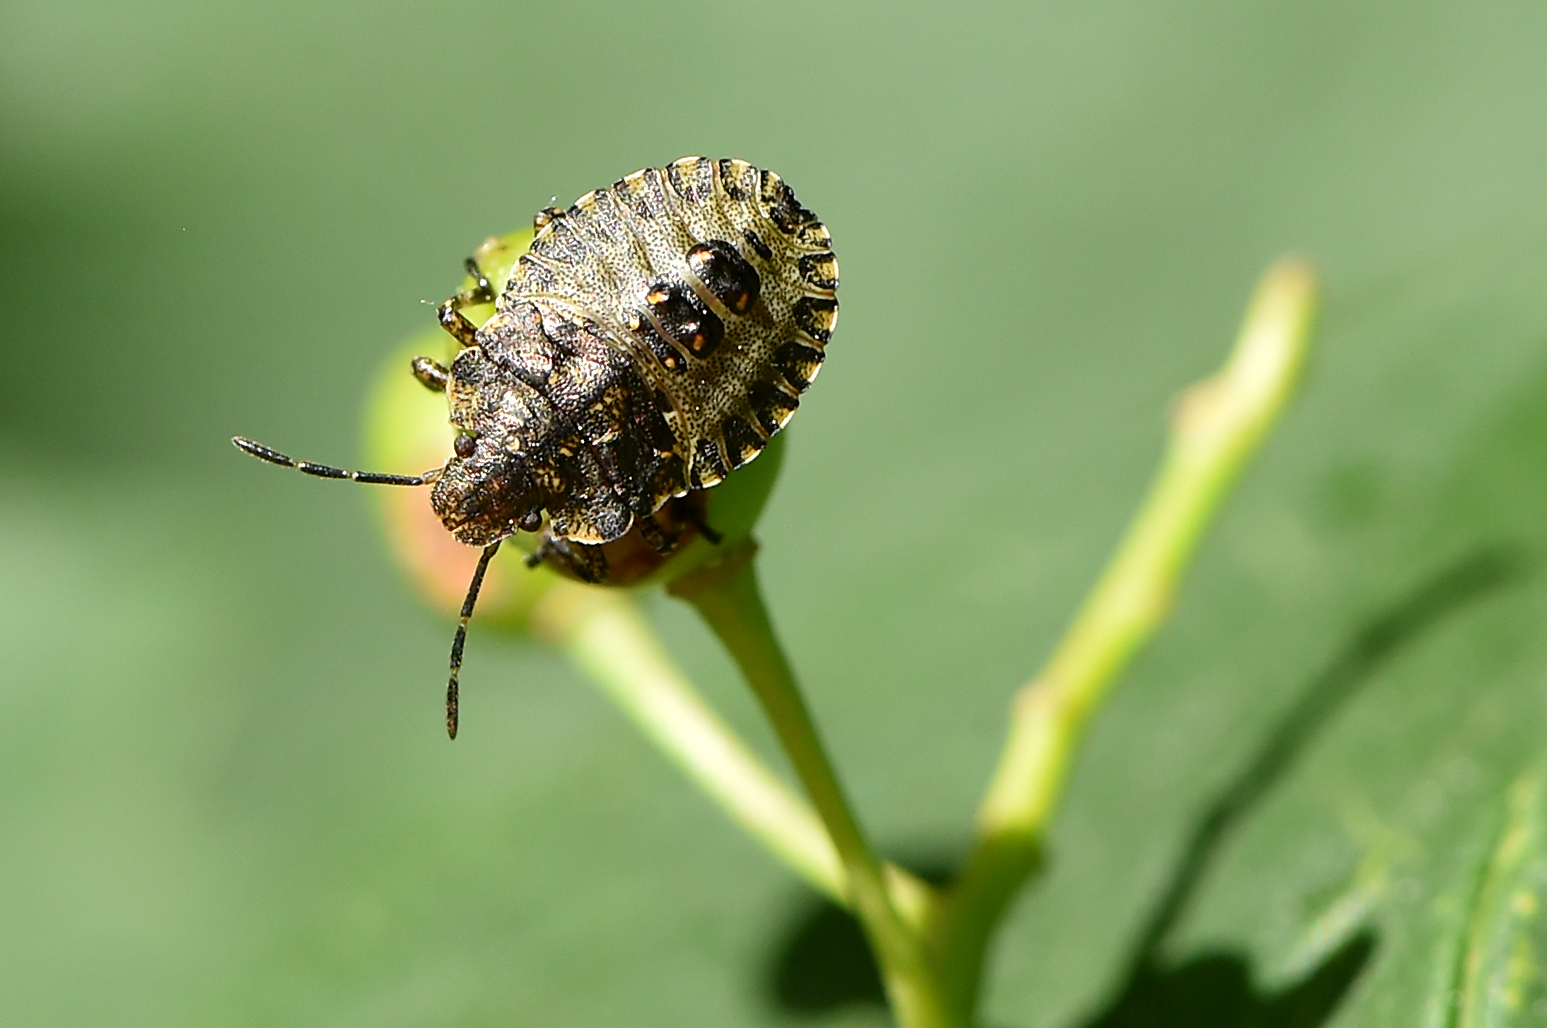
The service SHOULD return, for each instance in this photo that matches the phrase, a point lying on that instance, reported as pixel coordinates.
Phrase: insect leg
(483, 289)
(450, 313)
(324, 471)
(651, 532)
(461, 636)
(544, 217)
(695, 517)
(431, 373)
(587, 563)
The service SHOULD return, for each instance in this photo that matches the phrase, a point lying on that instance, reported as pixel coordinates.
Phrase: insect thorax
(655, 336)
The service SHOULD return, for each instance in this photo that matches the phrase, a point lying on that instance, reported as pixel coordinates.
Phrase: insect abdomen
(715, 286)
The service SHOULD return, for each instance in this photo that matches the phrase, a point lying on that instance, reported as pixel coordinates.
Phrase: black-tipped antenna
(323, 471)
(461, 636)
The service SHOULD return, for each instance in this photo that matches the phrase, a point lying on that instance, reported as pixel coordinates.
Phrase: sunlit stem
(604, 634)
(726, 594)
(1215, 427)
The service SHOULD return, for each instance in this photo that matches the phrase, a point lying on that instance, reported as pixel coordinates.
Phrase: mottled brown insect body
(652, 340)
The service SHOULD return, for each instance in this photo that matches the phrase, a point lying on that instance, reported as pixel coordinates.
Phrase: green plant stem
(1216, 426)
(604, 634)
(726, 594)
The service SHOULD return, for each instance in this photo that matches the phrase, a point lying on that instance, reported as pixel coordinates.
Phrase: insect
(653, 338)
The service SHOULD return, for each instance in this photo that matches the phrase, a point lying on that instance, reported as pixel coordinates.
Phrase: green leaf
(1497, 974)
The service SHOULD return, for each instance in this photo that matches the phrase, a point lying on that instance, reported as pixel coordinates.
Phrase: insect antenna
(461, 636)
(324, 471)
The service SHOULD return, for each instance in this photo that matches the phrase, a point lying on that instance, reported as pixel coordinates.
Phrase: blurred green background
(225, 796)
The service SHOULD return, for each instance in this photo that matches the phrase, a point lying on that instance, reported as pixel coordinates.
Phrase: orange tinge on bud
(406, 427)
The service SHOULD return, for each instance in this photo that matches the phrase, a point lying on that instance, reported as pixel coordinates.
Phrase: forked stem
(603, 633)
(931, 947)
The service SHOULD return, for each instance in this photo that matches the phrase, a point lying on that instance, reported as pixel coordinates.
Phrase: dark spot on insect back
(641, 193)
(799, 363)
(772, 405)
(734, 179)
(686, 319)
(560, 243)
(532, 276)
(669, 478)
(598, 216)
(692, 178)
(816, 316)
(756, 242)
(656, 429)
(708, 466)
(741, 442)
(726, 274)
(820, 270)
(815, 234)
(783, 209)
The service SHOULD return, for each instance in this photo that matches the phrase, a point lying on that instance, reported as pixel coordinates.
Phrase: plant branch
(603, 633)
(726, 594)
(1216, 426)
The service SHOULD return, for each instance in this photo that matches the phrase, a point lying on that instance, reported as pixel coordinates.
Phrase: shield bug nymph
(651, 341)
